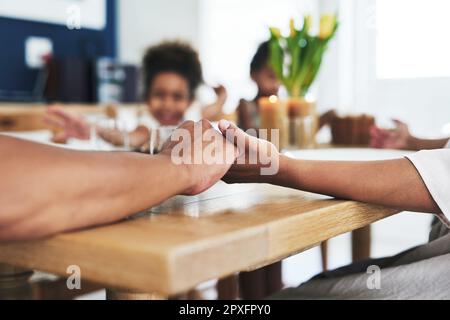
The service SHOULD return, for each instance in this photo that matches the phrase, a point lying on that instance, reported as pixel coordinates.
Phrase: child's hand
(203, 152)
(398, 138)
(258, 160)
(221, 93)
(113, 136)
(70, 125)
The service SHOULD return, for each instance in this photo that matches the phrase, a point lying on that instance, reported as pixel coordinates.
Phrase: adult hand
(258, 160)
(202, 152)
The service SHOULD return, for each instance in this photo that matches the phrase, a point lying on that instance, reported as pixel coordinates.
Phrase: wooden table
(188, 240)
(30, 117)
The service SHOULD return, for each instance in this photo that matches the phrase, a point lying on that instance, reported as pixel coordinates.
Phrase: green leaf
(303, 51)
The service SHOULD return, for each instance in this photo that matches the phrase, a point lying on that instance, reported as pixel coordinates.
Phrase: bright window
(413, 38)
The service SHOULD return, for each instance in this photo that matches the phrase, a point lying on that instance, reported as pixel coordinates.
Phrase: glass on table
(110, 134)
(158, 136)
(303, 132)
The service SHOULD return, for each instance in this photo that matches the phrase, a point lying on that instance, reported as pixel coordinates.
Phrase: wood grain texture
(188, 240)
(29, 117)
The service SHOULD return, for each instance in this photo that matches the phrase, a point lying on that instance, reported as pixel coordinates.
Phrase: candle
(274, 115)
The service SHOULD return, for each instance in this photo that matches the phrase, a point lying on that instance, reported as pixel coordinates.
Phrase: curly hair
(172, 56)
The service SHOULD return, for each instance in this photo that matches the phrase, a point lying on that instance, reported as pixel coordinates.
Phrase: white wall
(232, 31)
(146, 22)
(423, 102)
(334, 87)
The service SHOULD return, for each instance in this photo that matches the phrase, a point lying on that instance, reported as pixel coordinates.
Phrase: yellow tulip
(292, 27)
(308, 22)
(327, 25)
(275, 32)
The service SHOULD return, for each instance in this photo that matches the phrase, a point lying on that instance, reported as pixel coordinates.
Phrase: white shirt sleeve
(434, 168)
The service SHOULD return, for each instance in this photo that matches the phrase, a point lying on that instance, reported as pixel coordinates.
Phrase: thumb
(232, 133)
(398, 122)
(226, 126)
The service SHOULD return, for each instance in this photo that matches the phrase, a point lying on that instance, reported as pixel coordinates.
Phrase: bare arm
(137, 137)
(394, 183)
(401, 138)
(46, 190)
(214, 110)
(427, 144)
(75, 126)
(246, 120)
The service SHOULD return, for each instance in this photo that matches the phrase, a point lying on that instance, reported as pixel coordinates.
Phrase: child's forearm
(245, 119)
(394, 183)
(213, 111)
(139, 137)
(417, 144)
(136, 138)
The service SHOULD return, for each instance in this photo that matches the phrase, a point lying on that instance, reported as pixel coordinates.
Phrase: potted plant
(296, 60)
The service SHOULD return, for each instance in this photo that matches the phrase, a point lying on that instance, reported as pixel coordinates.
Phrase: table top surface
(187, 240)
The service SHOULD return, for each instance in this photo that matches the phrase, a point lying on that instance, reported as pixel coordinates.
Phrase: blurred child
(263, 282)
(172, 74)
(268, 85)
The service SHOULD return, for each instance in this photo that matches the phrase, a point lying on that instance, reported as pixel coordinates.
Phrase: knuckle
(205, 124)
(187, 124)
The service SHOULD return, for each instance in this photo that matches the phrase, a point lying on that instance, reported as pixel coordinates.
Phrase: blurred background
(389, 59)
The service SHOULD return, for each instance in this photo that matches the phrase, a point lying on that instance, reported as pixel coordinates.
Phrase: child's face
(267, 82)
(169, 98)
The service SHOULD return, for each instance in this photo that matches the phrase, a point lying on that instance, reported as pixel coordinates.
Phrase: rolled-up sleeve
(434, 168)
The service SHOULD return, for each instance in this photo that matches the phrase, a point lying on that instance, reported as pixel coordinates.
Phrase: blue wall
(84, 43)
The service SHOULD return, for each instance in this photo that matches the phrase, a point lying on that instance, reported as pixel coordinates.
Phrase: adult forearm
(45, 190)
(394, 183)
